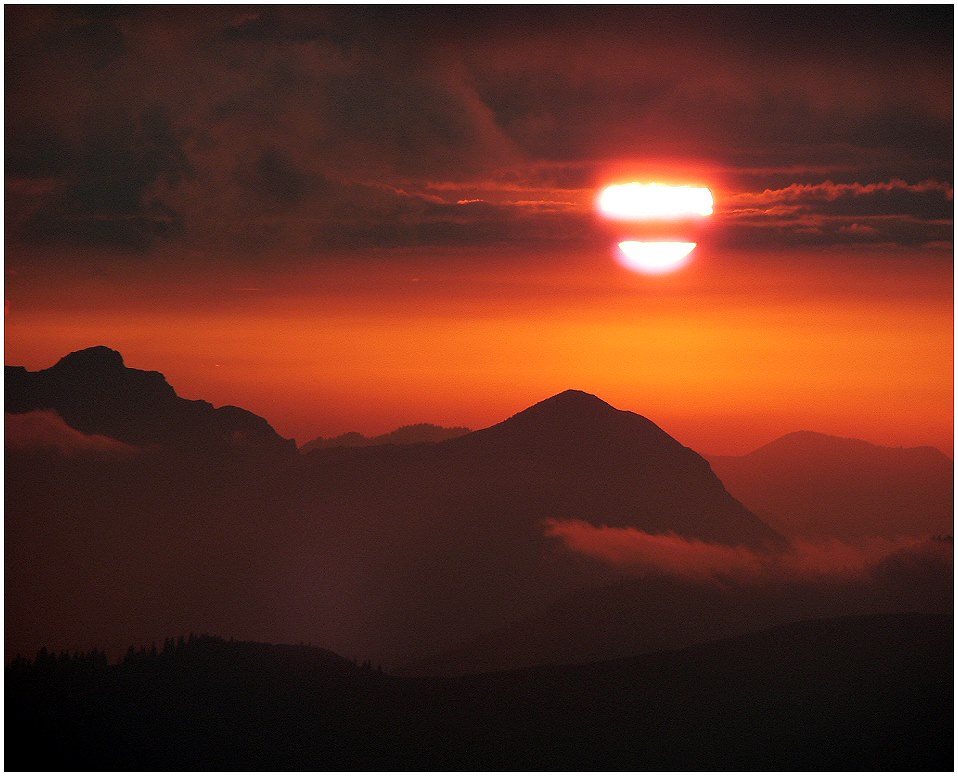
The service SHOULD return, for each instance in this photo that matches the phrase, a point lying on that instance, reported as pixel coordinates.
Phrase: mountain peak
(94, 392)
(575, 397)
(96, 358)
(813, 437)
(818, 444)
(582, 458)
(816, 486)
(573, 416)
(569, 404)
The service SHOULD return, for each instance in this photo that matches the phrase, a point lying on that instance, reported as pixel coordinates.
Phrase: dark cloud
(412, 123)
(278, 179)
(112, 193)
(279, 25)
(930, 202)
(784, 31)
(41, 155)
(294, 127)
(373, 218)
(892, 211)
(88, 34)
(765, 232)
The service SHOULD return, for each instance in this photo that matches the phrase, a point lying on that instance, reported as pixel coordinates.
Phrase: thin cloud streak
(829, 191)
(636, 552)
(45, 430)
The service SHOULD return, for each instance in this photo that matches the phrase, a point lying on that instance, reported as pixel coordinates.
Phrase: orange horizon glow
(726, 355)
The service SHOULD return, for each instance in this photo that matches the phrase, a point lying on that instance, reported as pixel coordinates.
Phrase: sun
(654, 201)
(657, 217)
(654, 258)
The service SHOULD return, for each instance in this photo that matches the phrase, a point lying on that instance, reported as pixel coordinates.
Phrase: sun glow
(639, 201)
(654, 258)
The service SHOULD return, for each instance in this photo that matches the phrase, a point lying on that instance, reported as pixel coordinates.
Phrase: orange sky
(352, 218)
(728, 353)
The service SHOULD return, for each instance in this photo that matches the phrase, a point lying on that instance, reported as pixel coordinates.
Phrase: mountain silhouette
(404, 435)
(579, 457)
(437, 556)
(816, 486)
(390, 551)
(451, 536)
(94, 392)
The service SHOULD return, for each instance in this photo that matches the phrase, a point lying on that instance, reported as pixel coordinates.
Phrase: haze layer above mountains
(202, 519)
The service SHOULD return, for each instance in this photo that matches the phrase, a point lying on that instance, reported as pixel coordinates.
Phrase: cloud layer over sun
(256, 130)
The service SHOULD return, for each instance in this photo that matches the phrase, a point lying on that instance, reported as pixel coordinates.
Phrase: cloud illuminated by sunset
(637, 552)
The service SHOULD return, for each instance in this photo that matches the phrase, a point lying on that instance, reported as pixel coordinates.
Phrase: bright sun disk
(654, 258)
(638, 201)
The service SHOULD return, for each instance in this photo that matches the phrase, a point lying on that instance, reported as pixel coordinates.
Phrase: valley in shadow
(856, 693)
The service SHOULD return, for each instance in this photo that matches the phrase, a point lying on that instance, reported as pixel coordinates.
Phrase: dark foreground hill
(858, 693)
(818, 486)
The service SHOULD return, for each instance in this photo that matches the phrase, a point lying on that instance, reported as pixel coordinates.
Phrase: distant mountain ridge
(812, 485)
(96, 393)
(416, 433)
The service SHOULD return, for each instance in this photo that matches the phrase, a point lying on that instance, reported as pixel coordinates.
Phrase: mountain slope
(451, 536)
(816, 486)
(582, 458)
(94, 392)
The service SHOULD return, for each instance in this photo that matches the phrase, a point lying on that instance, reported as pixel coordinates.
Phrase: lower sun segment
(654, 258)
